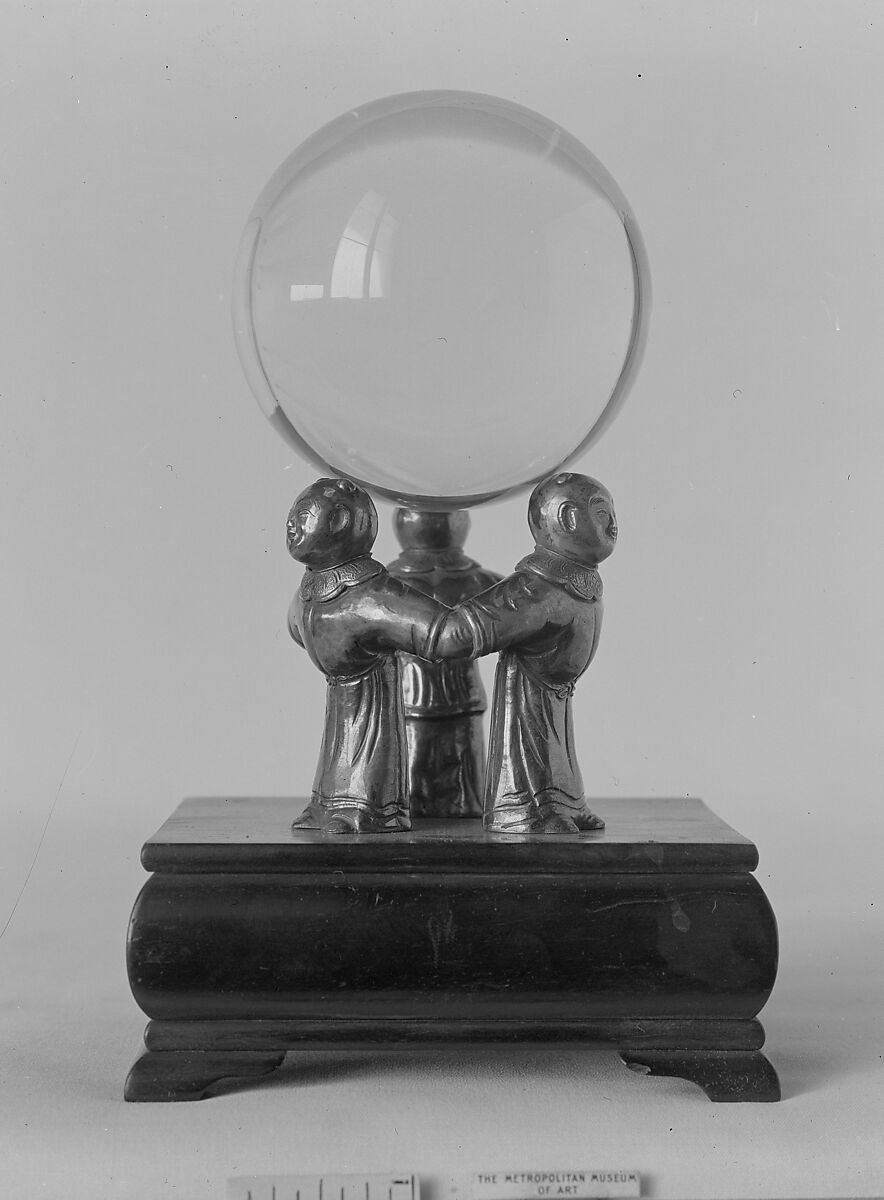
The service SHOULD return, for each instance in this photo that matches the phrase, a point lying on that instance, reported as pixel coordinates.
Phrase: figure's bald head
(331, 522)
(573, 515)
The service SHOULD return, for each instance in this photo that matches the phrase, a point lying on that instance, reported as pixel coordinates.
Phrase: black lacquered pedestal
(249, 941)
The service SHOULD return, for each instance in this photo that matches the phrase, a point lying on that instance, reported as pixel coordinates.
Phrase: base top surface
(254, 834)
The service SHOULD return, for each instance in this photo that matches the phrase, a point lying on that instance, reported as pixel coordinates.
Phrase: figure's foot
(558, 821)
(310, 818)
(339, 824)
(559, 816)
(549, 816)
(362, 820)
(588, 820)
(341, 815)
(555, 822)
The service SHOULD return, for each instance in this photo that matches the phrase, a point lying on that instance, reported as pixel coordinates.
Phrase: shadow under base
(249, 941)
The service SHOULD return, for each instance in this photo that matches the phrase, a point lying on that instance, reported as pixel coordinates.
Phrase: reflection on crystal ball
(442, 296)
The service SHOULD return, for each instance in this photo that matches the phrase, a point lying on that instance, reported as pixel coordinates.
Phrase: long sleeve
(454, 636)
(404, 619)
(502, 616)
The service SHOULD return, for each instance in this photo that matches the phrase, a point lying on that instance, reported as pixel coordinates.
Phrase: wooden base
(249, 941)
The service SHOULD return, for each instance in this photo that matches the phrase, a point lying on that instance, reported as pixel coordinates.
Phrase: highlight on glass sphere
(442, 296)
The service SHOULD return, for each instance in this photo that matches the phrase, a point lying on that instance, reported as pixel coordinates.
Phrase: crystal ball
(442, 296)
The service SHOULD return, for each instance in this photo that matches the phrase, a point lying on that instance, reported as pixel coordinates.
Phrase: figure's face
(330, 523)
(574, 515)
(304, 528)
(601, 525)
(319, 533)
(587, 526)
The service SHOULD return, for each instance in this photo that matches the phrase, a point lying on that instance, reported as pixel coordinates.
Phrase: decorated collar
(582, 581)
(331, 581)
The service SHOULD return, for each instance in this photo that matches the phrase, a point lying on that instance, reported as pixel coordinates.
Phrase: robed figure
(444, 702)
(353, 618)
(545, 620)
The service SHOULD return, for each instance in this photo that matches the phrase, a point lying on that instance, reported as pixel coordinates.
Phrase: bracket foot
(724, 1075)
(164, 1075)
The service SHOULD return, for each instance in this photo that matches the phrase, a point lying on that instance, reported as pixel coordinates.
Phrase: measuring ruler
(324, 1187)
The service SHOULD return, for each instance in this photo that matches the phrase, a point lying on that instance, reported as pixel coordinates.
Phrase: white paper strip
(555, 1185)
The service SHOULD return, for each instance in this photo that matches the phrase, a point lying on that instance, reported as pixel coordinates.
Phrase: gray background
(145, 582)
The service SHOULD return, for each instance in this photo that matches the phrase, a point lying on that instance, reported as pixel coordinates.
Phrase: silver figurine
(353, 617)
(545, 619)
(444, 702)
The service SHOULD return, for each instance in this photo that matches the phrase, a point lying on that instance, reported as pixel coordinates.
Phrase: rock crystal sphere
(442, 296)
